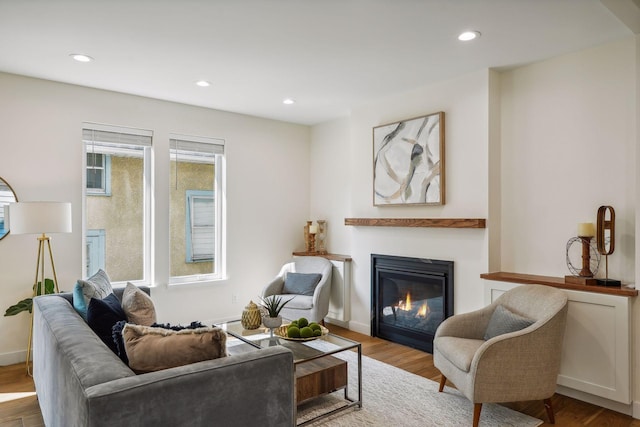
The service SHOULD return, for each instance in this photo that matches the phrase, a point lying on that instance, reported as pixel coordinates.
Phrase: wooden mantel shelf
(557, 282)
(418, 222)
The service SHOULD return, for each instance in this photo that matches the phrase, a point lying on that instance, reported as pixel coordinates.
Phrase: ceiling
(328, 55)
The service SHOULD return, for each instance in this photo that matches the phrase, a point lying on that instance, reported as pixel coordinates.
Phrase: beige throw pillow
(138, 306)
(152, 349)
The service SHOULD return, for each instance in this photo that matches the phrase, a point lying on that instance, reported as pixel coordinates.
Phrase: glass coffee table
(317, 371)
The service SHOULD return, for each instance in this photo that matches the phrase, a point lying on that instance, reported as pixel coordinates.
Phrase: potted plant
(27, 303)
(273, 304)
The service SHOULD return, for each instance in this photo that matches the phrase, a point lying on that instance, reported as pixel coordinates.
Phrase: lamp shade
(39, 217)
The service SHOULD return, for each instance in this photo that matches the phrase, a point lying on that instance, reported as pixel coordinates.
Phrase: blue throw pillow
(504, 321)
(102, 315)
(301, 283)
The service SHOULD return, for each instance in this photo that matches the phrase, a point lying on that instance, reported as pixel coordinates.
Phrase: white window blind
(202, 227)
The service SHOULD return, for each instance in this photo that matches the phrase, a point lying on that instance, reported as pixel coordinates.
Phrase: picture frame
(409, 162)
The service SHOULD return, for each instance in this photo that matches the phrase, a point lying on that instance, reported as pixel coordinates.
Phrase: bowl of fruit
(301, 330)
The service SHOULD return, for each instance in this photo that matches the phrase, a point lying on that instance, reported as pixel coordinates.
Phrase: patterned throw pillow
(152, 349)
(504, 321)
(97, 286)
(138, 306)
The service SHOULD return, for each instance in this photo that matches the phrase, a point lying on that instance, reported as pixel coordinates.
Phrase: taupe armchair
(511, 367)
(313, 307)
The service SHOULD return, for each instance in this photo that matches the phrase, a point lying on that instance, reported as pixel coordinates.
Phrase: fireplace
(410, 297)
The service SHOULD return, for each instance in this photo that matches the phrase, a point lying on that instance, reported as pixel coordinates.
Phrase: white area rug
(393, 397)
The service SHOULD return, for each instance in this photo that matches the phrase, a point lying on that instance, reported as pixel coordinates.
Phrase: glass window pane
(192, 242)
(120, 215)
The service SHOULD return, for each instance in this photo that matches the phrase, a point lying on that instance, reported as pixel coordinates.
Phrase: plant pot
(272, 322)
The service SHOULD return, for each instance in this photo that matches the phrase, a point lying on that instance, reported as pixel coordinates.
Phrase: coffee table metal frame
(260, 338)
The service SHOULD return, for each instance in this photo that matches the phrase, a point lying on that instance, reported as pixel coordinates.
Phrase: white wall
(41, 158)
(349, 178)
(568, 147)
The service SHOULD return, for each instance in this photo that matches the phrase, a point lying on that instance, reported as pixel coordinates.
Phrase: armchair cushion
(301, 283)
(459, 351)
(504, 321)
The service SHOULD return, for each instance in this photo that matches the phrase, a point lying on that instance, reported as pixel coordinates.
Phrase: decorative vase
(251, 316)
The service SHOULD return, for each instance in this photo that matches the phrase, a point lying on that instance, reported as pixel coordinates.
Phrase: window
(200, 226)
(98, 173)
(117, 166)
(196, 209)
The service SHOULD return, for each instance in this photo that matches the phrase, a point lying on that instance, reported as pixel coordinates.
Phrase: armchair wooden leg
(549, 408)
(476, 414)
(443, 380)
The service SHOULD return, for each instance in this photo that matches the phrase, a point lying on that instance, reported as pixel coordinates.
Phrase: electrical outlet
(234, 299)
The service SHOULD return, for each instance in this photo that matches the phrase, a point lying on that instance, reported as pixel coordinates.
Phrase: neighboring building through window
(117, 201)
(196, 208)
(98, 173)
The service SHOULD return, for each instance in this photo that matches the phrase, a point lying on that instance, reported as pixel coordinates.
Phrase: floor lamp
(40, 218)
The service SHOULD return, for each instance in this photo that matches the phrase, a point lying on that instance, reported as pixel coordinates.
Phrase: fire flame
(406, 305)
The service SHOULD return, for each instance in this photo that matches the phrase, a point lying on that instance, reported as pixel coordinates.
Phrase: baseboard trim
(632, 409)
(636, 410)
(12, 358)
(361, 328)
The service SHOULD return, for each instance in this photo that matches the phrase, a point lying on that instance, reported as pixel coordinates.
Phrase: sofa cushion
(504, 321)
(102, 314)
(301, 283)
(138, 306)
(152, 349)
(97, 286)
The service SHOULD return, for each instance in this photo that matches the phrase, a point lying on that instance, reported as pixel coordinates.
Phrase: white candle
(313, 229)
(586, 229)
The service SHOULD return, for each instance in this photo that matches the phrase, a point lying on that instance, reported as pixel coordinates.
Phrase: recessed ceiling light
(81, 58)
(203, 83)
(468, 36)
(288, 101)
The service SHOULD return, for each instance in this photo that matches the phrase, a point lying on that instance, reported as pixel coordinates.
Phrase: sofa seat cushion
(458, 351)
(298, 302)
(152, 349)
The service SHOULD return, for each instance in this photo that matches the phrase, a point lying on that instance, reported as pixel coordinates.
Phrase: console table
(596, 353)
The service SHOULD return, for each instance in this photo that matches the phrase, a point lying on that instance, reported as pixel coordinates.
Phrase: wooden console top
(558, 282)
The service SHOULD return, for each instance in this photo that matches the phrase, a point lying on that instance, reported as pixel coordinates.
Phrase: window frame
(124, 137)
(105, 190)
(219, 190)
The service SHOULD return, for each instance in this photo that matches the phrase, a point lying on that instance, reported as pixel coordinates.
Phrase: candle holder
(312, 243)
(606, 237)
(307, 241)
(321, 237)
(590, 262)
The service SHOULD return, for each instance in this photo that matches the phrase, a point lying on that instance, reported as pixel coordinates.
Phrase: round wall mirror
(6, 196)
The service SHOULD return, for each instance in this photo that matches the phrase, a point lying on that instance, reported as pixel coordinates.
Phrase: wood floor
(19, 406)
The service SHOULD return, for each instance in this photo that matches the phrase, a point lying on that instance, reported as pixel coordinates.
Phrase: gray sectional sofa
(80, 382)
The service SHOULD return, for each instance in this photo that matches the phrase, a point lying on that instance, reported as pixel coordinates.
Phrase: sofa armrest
(250, 388)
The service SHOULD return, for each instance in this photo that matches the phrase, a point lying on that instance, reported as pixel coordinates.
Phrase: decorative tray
(282, 333)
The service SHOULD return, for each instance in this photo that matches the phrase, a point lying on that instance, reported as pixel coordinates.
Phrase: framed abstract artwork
(408, 162)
